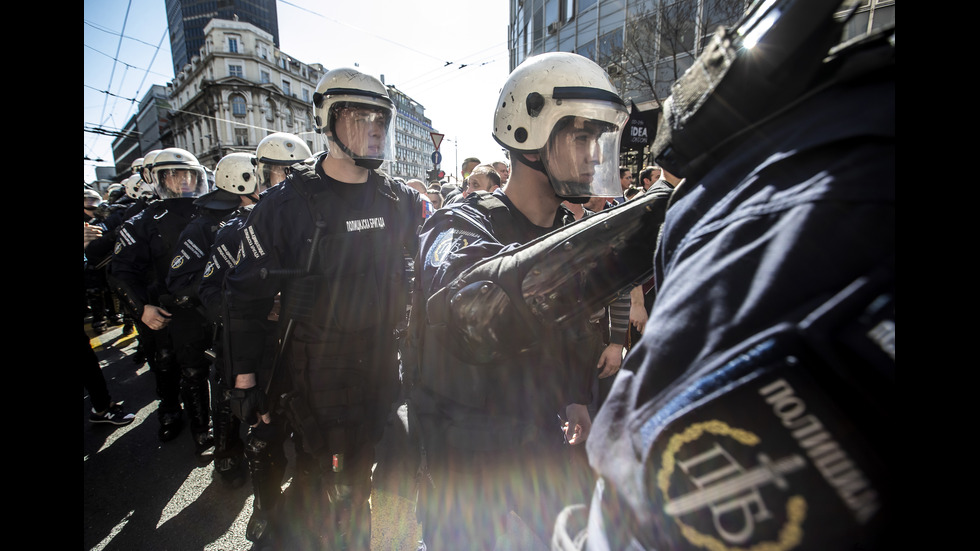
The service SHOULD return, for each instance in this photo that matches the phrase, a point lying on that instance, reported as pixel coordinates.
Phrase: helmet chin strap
(539, 166)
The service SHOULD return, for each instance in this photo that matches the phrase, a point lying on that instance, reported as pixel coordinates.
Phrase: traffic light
(435, 174)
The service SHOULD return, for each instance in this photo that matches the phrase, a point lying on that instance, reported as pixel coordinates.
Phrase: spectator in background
(483, 178)
(503, 169)
(434, 193)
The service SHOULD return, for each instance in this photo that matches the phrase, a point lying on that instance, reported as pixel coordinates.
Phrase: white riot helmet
(354, 112)
(278, 149)
(147, 166)
(234, 176)
(177, 173)
(565, 108)
(235, 173)
(132, 185)
(136, 166)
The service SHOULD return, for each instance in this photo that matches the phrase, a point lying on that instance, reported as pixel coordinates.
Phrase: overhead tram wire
(362, 30)
(402, 85)
(118, 49)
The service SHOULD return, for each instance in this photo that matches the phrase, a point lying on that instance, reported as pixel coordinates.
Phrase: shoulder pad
(486, 202)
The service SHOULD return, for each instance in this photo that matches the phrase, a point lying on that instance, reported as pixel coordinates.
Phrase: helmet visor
(364, 131)
(181, 181)
(270, 174)
(581, 158)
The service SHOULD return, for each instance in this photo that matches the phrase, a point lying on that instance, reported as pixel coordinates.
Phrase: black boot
(266, 469)
(229, 456)
(196, 398)
(171, 423)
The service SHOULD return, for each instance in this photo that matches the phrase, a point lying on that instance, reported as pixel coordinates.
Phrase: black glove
(247, 403)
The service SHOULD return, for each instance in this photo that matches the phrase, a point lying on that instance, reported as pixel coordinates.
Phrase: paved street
(141, 494)
(147, 495)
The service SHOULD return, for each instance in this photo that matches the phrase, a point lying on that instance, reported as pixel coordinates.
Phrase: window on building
(677, 28)
(236, 71)
(285, 87)
(585, 4)
(551, 15)
(587, 50)
(537, 33)
(306, 96)
(717, 13)
(287, 113)
(270, 110)
(238, 105)
(610, 47)
(241, 136)
(264, 77)
(233, 44)
(869, 15)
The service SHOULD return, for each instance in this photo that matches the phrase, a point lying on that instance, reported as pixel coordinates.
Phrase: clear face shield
(183, 181)
(146, 174)
(581, 157)
(269, 175)
(365, 133)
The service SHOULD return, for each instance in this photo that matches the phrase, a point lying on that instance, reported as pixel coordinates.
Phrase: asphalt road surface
(141, 494)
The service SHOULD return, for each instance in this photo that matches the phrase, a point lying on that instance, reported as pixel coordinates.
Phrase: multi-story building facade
(240, 88)
(186, 20)
(145, 131)
(413, 139)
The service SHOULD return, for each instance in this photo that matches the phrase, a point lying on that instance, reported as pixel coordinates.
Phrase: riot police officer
(263, 447)
(192, 330)
(503, 386)
(331, 238)
(141, 260)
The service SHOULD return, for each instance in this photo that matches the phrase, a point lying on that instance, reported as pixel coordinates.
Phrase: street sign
(436, 158)
(436, 139)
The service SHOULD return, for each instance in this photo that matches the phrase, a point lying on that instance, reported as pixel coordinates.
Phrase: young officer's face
(573, 152)
(180, 181)
(362, 130)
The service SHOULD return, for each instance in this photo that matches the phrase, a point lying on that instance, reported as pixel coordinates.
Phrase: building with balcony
(240, 88)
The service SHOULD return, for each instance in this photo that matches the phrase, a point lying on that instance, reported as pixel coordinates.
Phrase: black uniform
(338, 317)
(140, 264)
(491, 432)
(264, 445)
(192, 331)
(757, 410)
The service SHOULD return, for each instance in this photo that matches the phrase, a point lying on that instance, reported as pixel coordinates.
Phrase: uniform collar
(381, 181)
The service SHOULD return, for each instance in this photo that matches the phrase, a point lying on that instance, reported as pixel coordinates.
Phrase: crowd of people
(700, 354)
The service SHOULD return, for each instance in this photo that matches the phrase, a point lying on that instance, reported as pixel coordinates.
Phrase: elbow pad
(498, 305)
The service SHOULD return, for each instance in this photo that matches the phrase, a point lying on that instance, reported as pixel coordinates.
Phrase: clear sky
(448, 55)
